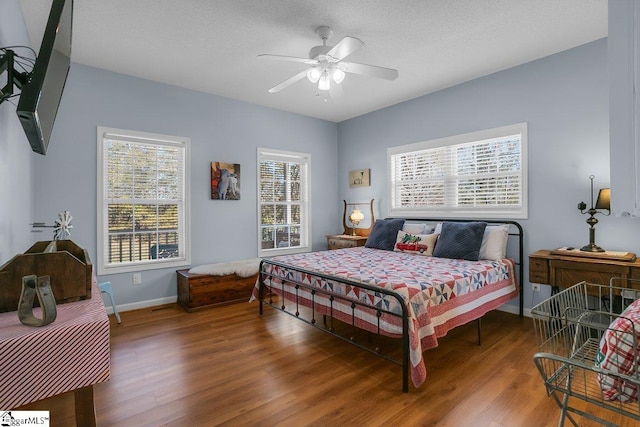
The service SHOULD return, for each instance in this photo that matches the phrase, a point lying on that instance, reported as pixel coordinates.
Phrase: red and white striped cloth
(68, 354)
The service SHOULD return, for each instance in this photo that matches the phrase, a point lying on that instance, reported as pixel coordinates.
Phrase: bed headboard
(515, 244)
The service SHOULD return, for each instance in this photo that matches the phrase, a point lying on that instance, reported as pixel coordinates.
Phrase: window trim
(457, 212)
(305, 214)
(102, 267)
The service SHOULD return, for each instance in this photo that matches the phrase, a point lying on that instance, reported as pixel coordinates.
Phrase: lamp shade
(324, 83)
(313, 74)
(356, 216)
(604, 199)
(337, 75)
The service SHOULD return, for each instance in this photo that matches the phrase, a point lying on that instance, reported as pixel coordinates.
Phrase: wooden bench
(198, 291)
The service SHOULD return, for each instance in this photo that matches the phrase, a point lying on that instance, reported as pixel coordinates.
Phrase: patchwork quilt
(439, 293)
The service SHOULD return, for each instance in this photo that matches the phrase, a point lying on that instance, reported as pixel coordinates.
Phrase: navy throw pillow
(384, 234)
(460, 240)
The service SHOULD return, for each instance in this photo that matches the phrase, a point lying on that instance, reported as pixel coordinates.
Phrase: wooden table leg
(85, 410)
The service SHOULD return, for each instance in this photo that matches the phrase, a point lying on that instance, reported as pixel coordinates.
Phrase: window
(142, 201)
(476, 175)
(283, 201)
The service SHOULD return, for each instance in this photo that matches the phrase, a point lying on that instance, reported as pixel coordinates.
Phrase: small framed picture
(225, 181)
(359, 178)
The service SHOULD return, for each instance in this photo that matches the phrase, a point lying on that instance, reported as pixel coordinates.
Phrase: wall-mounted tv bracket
(14, 77)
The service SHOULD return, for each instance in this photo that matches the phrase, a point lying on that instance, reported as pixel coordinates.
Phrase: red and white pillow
(421, 244)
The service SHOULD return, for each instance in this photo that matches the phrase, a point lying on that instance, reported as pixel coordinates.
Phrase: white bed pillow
(418, 228)
(494, 242)
(420, 244)
(414, 228)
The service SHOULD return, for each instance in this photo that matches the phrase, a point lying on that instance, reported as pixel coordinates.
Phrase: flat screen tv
(40, 97)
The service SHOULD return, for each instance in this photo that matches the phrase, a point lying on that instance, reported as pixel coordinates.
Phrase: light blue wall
(564, 100)
(16, 157)
(220, 129)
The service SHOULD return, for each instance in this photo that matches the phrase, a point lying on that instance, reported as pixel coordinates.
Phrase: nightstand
(339, 241)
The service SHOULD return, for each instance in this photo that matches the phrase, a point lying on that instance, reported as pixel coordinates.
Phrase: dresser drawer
(538, 270)
(340, 241)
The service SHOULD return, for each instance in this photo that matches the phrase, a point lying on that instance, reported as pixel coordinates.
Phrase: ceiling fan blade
(369, 70)
(289, 58)
(344, 48)
(291, 80)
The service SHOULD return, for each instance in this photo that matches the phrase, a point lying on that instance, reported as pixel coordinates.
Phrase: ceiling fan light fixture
(337, 75)
(325, 81)
(313, 75)
(326, 64)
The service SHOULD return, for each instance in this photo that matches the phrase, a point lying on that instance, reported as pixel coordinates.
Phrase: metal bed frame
(328, 313)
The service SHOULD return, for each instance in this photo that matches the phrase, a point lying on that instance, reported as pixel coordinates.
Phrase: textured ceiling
(212, 46)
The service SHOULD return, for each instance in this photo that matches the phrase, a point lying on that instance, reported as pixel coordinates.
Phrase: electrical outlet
(535, 287)
(137, 278)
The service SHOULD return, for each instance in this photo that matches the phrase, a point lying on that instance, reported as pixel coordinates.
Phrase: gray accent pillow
(460, 240)
(384, 233)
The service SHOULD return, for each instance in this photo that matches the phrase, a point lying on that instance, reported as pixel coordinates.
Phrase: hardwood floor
(229, 366)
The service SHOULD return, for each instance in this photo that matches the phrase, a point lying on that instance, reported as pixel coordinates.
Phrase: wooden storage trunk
(196, 291)
(67, 265)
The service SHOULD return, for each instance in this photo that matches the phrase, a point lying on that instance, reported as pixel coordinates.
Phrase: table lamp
(602, 203)
(355, 217)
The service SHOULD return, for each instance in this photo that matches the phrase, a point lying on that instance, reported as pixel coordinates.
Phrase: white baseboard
(508, 308)
(141, 304)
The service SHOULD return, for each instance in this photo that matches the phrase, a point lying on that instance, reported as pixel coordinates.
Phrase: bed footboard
(310, 304)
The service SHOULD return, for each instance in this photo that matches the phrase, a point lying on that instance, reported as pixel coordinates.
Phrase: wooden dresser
(339, 241)
(197, 291)
(567, 270)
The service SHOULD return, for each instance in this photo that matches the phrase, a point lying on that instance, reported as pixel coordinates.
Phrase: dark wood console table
(563, 271)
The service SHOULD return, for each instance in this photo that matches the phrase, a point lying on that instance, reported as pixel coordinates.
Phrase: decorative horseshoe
(40, 286)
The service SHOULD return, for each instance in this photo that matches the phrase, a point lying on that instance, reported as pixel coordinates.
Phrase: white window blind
(283, 202)
(476, 175)
(142, 203)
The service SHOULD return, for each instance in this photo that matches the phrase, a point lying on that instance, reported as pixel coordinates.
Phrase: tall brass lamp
(602, 203)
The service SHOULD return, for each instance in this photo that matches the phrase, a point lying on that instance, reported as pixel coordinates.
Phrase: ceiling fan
(327, 65)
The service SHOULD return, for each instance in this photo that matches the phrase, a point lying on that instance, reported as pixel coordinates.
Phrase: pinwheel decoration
(62, 227)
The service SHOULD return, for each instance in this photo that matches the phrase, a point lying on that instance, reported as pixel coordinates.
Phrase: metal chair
(107, 289)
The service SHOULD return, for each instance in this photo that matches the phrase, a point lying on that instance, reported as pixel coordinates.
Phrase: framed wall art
(225, 181)
(359, 178)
